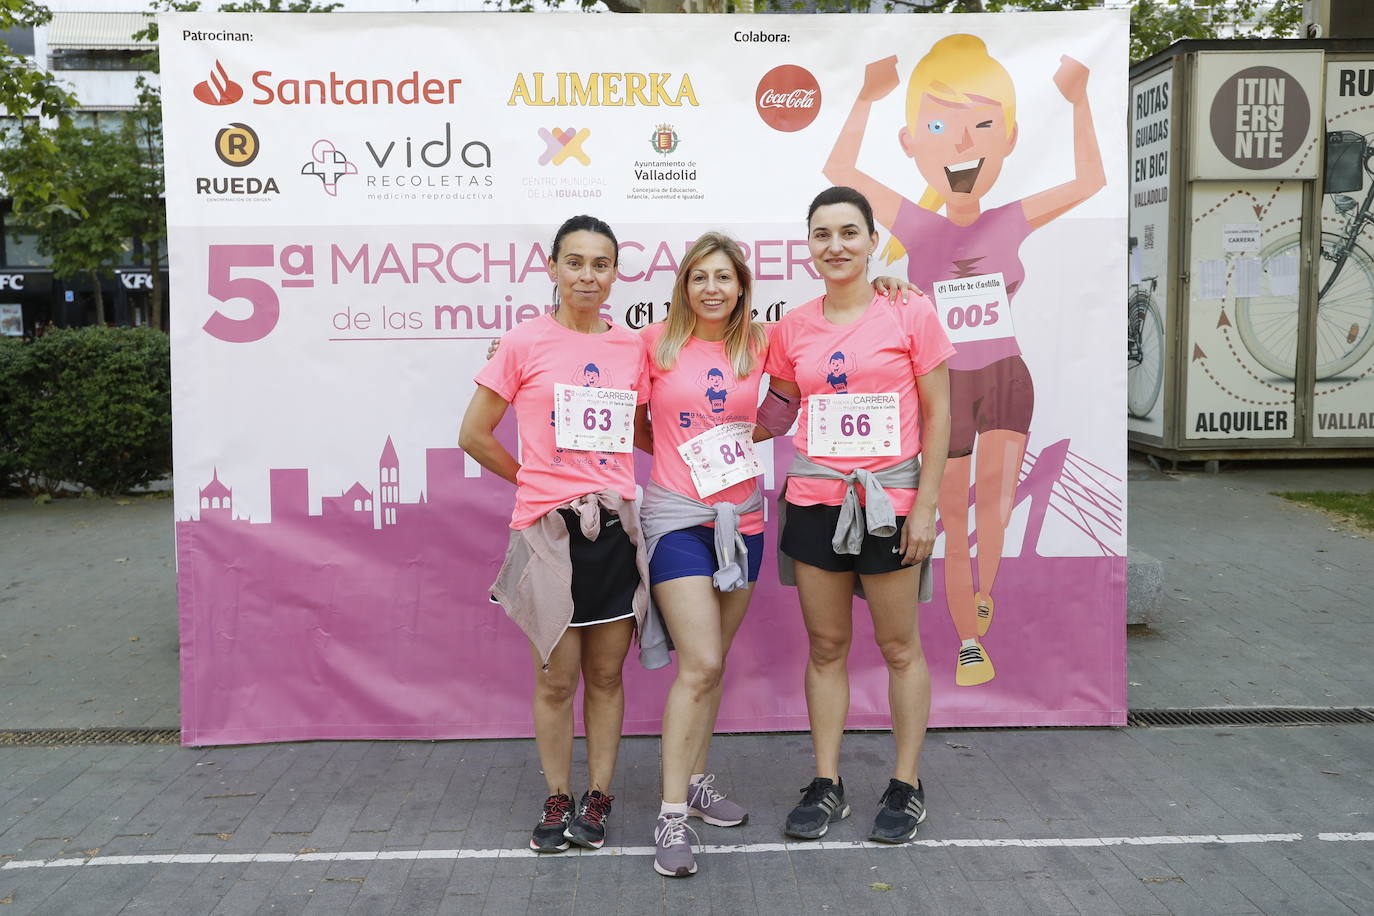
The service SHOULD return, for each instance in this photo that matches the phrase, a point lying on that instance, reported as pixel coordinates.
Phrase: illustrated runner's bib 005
(721, 457)
(974, 308)
(594, 419)
(854, 425)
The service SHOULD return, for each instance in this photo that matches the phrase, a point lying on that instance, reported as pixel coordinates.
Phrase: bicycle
(1268, 325)
(1144, 347)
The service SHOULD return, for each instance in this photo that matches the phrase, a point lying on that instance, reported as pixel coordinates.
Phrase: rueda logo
(236, 145)
(788, 98)
(219, 89)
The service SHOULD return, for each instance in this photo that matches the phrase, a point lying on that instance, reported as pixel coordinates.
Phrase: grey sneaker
(672, 851)
(705, 802)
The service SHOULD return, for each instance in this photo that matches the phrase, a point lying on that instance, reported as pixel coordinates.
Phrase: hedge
(89, 407)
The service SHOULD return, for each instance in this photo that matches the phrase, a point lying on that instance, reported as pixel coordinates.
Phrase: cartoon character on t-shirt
(838, 376)
(715, 392)
(591, 376)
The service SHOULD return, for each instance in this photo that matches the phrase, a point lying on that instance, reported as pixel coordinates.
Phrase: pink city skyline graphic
(371, 618)
(355, 507)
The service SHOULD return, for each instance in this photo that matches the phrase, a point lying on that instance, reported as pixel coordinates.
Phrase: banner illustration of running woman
(960, 128)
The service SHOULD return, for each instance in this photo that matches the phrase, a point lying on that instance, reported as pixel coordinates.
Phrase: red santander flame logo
(788, 98)
(219, 89)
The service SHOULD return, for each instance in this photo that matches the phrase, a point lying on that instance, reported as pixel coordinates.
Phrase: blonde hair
(955, 69)
(744, 340)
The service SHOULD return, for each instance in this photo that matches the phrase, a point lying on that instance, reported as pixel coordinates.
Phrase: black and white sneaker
(901, 811)
(548, 833)
(588, 829)
(821, 802)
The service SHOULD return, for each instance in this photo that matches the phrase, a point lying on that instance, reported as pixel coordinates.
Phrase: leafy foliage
(86, 406)
(86, 217)
(24, 88)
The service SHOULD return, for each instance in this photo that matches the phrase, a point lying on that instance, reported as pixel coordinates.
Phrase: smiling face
(584, 270)
(959, 147)
(713, 288)
(840, 242)
(716, 381)
(836, 366)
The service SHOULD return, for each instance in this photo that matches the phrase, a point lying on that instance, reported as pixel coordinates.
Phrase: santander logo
(219, 89)
(788, 98)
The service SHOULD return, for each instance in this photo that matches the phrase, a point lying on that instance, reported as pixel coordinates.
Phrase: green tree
(87, 228)
(24, 88)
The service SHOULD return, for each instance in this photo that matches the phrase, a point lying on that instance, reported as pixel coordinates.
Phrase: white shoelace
(672, 830)
(704, 785)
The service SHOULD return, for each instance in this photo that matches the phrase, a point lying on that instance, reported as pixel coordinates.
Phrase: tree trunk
(99, 299)
(155, 303)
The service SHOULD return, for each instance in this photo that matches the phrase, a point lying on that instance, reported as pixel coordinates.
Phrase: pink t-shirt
(937, 249)
(884, 351)
(699, 392)
(532, 358)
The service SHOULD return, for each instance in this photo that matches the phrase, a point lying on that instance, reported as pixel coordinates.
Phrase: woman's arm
(644, 430)
(918, 534)
(788, 390)
(880, 78)
(477, 435)
(1089, 178)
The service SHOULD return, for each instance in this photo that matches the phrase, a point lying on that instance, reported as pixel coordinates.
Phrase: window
(19, 40)
(111, 122)
(97, 59)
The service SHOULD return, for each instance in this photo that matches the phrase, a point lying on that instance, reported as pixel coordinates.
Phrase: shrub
(93, 408)
(13, 353)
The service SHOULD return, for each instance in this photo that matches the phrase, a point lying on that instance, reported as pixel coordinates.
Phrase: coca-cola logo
(788, 98)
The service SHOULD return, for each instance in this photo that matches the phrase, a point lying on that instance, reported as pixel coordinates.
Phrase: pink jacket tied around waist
(535, 582)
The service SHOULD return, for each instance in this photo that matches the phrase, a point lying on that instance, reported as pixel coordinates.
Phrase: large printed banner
(359, 203)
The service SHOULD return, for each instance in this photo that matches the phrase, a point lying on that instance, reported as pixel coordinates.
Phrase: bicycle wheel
(1143, 379)
(1268, 325)
(1345, 314)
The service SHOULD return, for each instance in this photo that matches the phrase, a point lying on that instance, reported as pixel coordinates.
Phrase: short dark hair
(584, 223)
(843, 195)
(591, 367)
(715, 372)
(837, 355)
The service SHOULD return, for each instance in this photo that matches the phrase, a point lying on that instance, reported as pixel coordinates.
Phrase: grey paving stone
(507, 895)
(330, 898)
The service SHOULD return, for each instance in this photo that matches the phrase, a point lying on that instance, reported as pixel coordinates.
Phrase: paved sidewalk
(1206, 836)
(1265, 604)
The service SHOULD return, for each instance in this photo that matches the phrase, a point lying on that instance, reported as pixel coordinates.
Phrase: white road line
(410, 855)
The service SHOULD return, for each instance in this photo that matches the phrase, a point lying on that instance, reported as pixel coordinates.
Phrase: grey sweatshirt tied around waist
(878, 512)
(663, 511)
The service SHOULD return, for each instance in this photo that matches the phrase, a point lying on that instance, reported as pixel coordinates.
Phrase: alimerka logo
(788, 98)
(603, 90)
(219, 89)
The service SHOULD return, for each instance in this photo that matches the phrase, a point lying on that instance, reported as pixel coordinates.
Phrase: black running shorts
(809, 530)
(604, 574)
